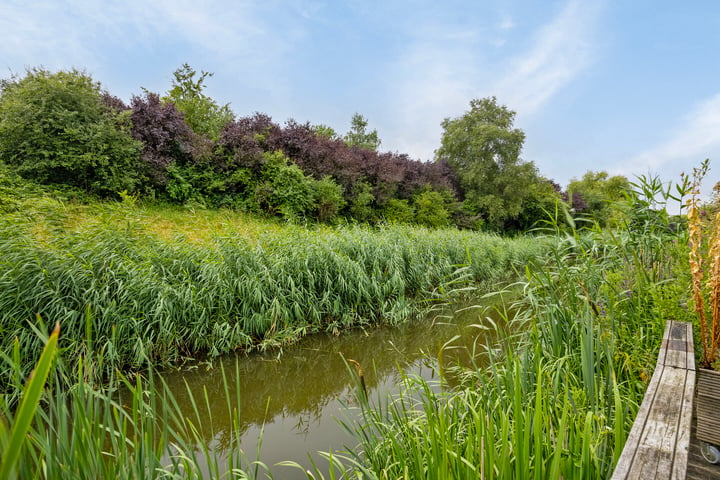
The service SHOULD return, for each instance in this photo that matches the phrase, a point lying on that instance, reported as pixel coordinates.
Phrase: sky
(630, 87)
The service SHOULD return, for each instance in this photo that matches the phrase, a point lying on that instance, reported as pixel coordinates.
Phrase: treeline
(62, 128)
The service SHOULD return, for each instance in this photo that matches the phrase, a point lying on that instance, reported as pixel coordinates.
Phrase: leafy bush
(361, 206)
(398, 211)
(55, 128)
(165, 137)
(430, 210)
(283, 188)
(328, 197)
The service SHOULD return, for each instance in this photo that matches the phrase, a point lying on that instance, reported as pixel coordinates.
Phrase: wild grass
(84, 432)
(126, 291)
(558, 395)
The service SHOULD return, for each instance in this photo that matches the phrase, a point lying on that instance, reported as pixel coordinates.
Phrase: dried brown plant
(704, 240)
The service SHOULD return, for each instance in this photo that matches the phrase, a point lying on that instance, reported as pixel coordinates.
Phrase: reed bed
(554, 397)
(80, 431)
(128, 296)
(560, 389)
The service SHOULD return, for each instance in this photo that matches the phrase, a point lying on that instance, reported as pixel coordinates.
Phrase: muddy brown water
(290, 403)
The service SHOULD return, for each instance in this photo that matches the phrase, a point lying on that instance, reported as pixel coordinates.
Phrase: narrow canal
(290, 402)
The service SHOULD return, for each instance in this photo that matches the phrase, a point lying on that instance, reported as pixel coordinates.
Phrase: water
(292, 401)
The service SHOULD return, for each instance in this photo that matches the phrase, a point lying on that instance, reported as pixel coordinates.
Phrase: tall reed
(129, 296)
(560, 390)
(138, 432)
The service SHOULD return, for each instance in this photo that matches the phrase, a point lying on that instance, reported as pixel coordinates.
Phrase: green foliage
(328, 197)
(283, 188)
(54, 129)
(430, 210)
(555, 396)
(600, 192)
(12, 443)
(358, 135)
(179, 187)
(542, 203)
(484, 150)
(361, 204)
(398, 211)
(202, 113)
(325, 132)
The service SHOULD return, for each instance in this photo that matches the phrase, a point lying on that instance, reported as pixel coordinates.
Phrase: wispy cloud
(695, 138)
(562, 49)
(80, 32)
(437, 78)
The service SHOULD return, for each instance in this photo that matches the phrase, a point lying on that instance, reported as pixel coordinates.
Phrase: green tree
(600, 191)
(202, 113)
(283, 188)
(328, 197)
(430, 209)
(359, 136)
(398, 211)
(541, 204)
(326, 132)
(484, 150)
(54, 128)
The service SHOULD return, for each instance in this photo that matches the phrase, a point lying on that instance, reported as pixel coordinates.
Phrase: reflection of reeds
(704, 259)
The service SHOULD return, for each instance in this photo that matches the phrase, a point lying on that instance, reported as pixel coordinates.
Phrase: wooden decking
(659, 441)
(698, 468)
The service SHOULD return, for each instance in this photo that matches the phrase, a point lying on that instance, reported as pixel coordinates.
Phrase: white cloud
(563, 49)
(437, 76)
(696, 137)
(83, 32)
(506, 23)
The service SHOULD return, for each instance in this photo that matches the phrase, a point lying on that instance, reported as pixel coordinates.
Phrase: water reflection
(295, 399)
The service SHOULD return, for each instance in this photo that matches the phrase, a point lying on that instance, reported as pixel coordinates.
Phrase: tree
(484, 150)
(599, 191)
(325, 132)
(358, 135)
(430, 209)
(60, 128)
(165, 136)
(202, 113)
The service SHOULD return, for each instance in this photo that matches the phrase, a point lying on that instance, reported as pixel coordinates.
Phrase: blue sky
(627, 86)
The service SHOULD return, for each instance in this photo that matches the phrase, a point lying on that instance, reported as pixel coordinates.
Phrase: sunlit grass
(134, 283)
(556, 397)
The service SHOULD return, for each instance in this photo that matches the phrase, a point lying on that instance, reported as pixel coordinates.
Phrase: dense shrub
(430, 210)
(328, 197)
(165, 137)
(55, 128)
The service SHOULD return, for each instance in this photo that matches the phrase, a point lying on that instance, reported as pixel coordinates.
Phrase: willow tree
(483, 148)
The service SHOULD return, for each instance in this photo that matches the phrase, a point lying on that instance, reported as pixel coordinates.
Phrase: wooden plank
(676, 344)
(682, 447)
(632, 443)
(663, 345)
(658, 443)
(655, 452)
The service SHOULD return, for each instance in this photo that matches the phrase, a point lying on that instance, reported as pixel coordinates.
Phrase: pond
(290, 402)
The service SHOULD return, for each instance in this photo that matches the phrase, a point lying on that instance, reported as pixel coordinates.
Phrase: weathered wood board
(658, 443)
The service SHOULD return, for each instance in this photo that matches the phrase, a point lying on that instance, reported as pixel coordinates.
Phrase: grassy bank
(132, 285)
(556, 399)
(559, 396)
